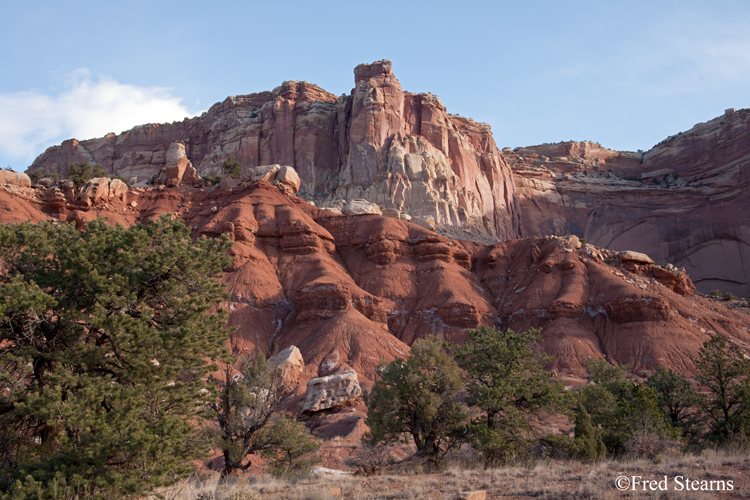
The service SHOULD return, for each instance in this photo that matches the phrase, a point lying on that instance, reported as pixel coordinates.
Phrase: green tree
(620, 407)
(231, 167)
(724, 371)
(37, 175)
(105, 336)
(244, 404)
(677, 400)
(419, 399)
(81, 173)
(587, 444)
(508, 383)
(289, 449)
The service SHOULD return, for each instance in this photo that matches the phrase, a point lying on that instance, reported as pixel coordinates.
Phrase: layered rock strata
(351, 291)
(685, 202)
(399, 150)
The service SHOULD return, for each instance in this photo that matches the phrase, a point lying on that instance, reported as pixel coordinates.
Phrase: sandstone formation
(399, 150)
(685, 202)
(331, 391)
(14, 179)
(352, 291)
(287, 365)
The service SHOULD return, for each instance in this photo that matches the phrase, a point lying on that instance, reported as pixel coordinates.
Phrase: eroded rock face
(352, 291)
(331, 391)
(399, 150)
(684, 202)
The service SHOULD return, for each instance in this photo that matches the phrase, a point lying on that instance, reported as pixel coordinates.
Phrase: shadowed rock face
(351, 291)
(400, 150)
(683, 202)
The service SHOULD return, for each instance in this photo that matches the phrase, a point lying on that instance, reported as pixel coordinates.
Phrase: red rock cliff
(400, 150)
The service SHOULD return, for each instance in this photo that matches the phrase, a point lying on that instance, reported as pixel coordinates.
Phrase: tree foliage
(419, 399)
(725, 373)
(677, 401)
(508, 383)
(81, 173)
(104, 337)
(231, 167)
(620, 407)
(244, 404)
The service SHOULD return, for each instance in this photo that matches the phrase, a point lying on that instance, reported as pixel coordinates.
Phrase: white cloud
(31, 121)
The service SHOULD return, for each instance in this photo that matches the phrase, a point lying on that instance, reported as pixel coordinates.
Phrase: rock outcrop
(352, 291)
(287, 365)
(14, 179)
(685, 202)
(399, 150)
(331, 391)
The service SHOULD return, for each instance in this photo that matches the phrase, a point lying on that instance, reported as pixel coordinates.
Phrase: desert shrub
(646, 443)
(36, 176)
(231, 167)
(729, 296)
(370, 460)
(587, 445)
(714, 293)
(289, 448)
(81, 173)
(212, 179)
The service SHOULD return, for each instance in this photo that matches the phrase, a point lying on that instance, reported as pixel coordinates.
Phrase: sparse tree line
(494, 394)
(114, 376)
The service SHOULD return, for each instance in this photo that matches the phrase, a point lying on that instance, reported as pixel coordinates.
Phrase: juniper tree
(105, 336)
(231, 167)
(620, 407)
(508, 383)
(725, 373)
(80, 173)
(418, 399)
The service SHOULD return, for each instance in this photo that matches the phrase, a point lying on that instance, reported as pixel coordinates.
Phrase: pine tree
(105, 336)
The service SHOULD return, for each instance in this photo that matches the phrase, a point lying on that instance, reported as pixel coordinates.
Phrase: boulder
(288, 176)
(14, 179)
(333, 390)
(287, 365)
(266, 173)
(361, 207)
(637, 257)
(426, 222)
(177, 164)
(46, 182)
(118, 190)
(93, 191)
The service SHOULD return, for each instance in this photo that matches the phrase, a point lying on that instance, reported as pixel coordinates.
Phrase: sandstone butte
(684, 202)
(325, 272)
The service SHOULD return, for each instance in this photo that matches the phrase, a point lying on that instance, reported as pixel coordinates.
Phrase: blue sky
(626, 74)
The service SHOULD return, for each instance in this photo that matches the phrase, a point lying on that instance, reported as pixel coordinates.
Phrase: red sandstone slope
(351, 291)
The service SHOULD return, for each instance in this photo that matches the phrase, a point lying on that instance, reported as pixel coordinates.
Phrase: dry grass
(544, 479)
